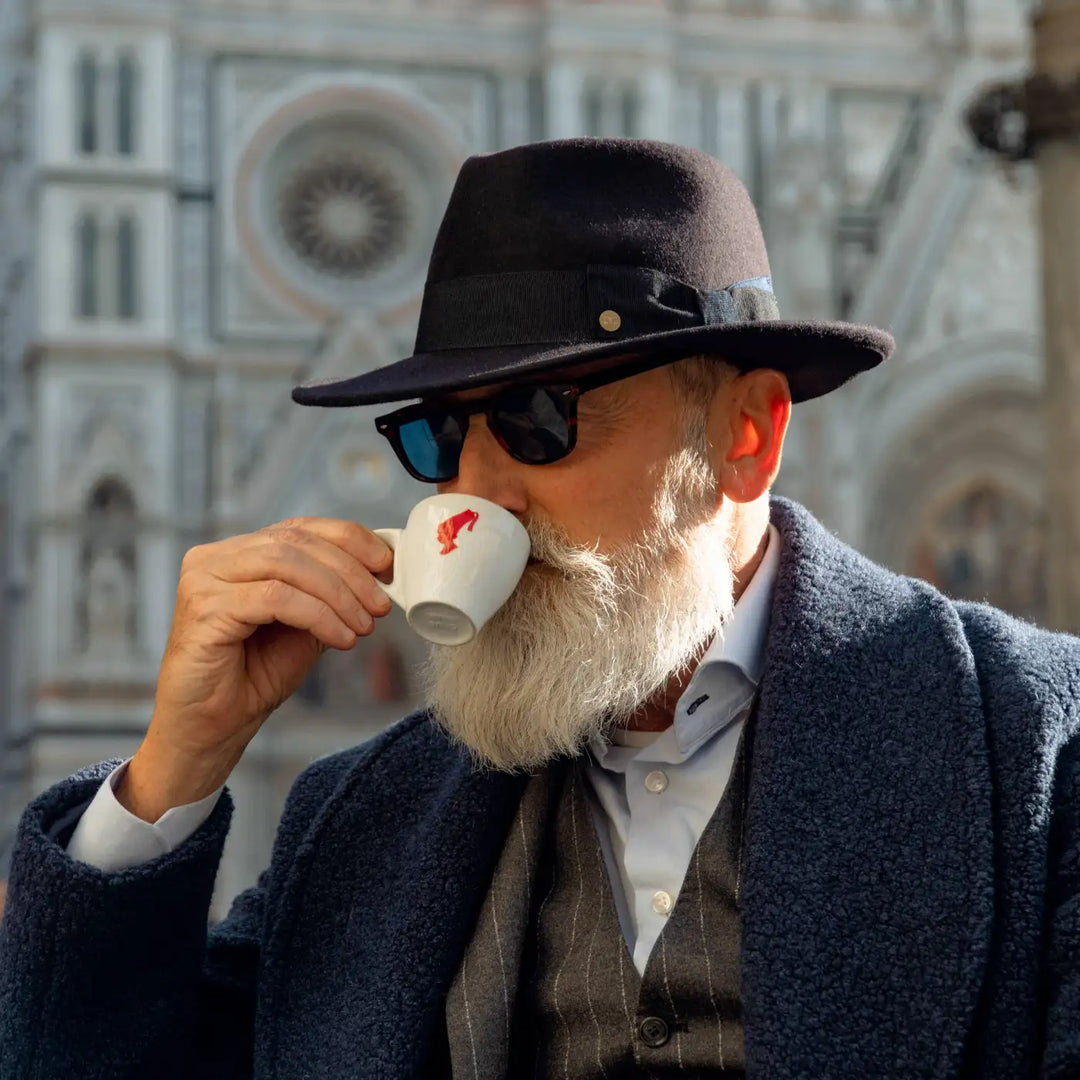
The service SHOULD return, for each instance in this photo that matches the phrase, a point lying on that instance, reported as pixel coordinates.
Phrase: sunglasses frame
(389, 425)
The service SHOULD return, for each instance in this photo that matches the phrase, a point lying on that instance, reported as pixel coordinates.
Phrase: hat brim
(816, 358)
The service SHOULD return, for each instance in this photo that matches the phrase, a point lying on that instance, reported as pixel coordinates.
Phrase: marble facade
(251, 200)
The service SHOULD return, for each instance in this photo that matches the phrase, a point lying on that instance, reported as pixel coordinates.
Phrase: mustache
(550, 544)
(554, 550)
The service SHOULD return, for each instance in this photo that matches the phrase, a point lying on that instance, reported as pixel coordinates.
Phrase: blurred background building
(203, 202)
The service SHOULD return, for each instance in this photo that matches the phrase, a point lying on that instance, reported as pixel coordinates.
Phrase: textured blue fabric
(911, 903)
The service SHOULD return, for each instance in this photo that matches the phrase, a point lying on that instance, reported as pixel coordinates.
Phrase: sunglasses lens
(534, 423)
(433, 445)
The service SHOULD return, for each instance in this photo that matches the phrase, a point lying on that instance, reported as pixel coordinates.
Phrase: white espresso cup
(456, 563)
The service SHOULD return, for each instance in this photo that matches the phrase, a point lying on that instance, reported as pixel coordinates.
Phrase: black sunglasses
(535, 423)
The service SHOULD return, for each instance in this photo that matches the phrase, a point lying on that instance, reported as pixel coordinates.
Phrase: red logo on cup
(448, 531)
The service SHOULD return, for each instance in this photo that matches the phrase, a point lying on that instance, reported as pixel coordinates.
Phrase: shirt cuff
(112, 838)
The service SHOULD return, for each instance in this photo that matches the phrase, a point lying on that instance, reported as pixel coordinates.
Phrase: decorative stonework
(258, 408)
(989, 280)
(958, 497)
(107, 436)
(878, 143)
(337, 195)
(344, 215)
(802, 206)
(867, 128)
(338, 202)
(106, 607)
(103, 422)
(986, 545)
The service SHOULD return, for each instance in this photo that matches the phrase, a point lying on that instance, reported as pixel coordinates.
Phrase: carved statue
(109, 593)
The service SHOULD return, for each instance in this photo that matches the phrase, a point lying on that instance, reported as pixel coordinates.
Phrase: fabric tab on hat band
(555, 306)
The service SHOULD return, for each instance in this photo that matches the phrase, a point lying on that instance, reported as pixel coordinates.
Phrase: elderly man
(710, 794)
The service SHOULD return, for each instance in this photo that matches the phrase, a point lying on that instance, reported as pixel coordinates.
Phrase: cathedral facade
(208, 201)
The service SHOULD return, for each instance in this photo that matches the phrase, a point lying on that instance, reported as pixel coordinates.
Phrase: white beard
(587, 639)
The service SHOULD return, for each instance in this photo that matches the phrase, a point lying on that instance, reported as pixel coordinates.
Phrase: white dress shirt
(655, 792)
(112, 838)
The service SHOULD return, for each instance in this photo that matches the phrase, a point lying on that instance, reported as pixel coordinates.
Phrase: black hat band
(599, 303)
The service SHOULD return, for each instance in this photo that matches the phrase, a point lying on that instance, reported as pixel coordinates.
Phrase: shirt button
(662, 903)
(656, 781)
(654, 1031)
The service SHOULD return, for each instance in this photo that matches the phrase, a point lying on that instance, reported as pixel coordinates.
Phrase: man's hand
(253, 614)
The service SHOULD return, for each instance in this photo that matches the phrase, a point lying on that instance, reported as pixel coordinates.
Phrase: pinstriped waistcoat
(547, 987)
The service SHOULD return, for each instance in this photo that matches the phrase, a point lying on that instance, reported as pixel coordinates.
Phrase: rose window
(343, 215)
(337, 201)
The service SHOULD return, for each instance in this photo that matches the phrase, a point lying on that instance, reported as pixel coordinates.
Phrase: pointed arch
(954, 492)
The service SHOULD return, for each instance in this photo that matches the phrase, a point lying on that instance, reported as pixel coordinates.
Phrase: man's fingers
(359, 573)
(361, 543)
(346, 536)
(259, 603)
(312, 565)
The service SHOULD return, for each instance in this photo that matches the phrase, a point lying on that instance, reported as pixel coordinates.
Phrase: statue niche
(107, 596)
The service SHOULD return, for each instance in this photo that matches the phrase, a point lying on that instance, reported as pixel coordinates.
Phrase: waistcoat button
(653, 1031)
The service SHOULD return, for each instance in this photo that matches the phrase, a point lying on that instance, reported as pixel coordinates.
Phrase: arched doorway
(958, 500)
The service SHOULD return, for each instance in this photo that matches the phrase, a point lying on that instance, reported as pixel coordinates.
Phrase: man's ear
(747, 425)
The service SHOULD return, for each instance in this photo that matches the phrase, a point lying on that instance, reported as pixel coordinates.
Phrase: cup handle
(393, 588)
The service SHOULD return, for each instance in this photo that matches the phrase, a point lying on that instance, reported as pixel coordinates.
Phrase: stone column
(1056, 111)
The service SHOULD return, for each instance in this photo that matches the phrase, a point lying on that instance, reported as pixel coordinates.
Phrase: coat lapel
(375, 924)
(869, 878)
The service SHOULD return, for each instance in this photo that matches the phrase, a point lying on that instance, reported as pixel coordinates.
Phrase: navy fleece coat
(912, 896)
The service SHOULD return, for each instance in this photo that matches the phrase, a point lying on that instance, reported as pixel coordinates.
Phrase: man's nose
(487, 470)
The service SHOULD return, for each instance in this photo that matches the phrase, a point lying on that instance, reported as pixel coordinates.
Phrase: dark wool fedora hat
(558, 253)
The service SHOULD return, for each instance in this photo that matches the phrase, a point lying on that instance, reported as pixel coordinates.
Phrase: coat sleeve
(116, 974)
(1061, 974)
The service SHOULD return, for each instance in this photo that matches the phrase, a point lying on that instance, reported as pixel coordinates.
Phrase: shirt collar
(725, 680)
(743, 640)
